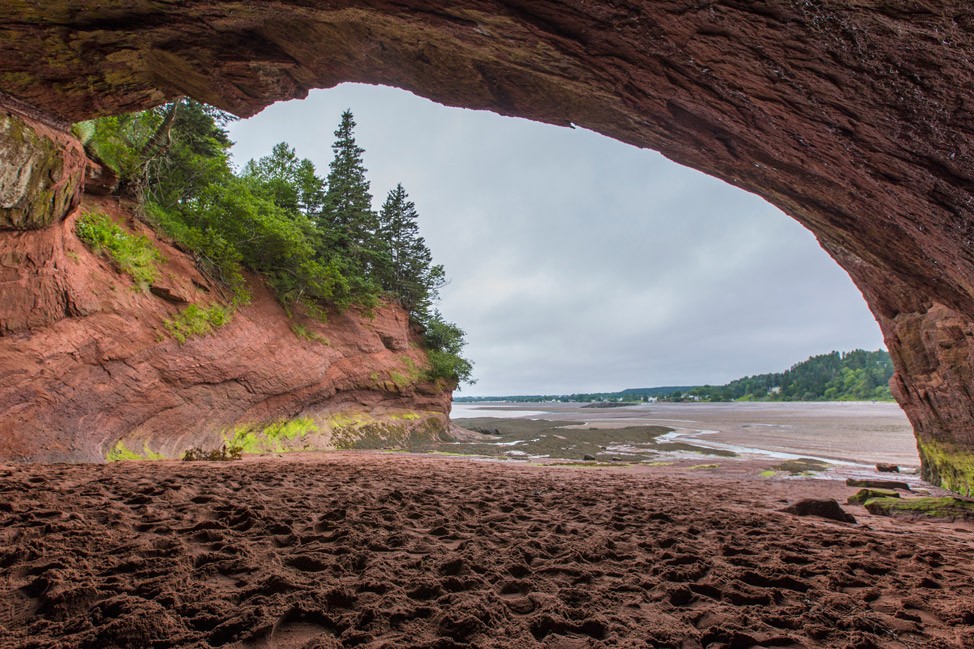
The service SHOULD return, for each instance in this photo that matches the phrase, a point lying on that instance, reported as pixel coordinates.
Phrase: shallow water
(466, 410)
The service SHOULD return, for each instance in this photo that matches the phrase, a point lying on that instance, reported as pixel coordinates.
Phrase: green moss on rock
(362, 431)
(276, 437)
(947, 508)
(40, 175)
(122, 453)
(946, 465)
(863, 495)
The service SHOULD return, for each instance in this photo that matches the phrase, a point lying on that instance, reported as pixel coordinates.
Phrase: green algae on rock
(947, 465)
(946, 508)
(41, 173)
(864, 495)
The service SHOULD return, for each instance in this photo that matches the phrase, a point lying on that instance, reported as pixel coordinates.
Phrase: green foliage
(404, 264)
(853, 376)
(194, 321)
(117, 141)
(444, 345)
(134, 255)
(306, 334)
(348, 223)
(316, 242)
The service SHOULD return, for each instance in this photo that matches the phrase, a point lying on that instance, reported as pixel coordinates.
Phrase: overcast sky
(578, 263)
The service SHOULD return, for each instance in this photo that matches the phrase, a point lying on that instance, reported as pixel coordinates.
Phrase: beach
(390, 549)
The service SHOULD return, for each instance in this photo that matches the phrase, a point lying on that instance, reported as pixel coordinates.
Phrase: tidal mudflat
(844, 437)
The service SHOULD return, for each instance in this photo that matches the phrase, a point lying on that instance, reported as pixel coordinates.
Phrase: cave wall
(854, 118)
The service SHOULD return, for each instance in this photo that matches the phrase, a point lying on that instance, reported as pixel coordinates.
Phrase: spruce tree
(407, 271)
(289, 181)
(347, 217)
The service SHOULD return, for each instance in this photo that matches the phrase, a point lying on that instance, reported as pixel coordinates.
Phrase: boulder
(864, 495)
(944, 509)
(877, 484)
(42, 173)
(828, 508)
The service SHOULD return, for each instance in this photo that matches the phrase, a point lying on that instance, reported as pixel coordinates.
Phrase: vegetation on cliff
(317, 242)
(131, 254)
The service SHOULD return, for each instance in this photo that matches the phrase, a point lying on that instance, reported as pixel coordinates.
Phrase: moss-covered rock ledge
(345, 430)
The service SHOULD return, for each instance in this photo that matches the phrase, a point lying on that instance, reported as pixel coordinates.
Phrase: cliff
(853, 118)
(88, 369)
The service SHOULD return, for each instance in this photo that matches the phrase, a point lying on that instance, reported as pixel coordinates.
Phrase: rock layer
(86, 362)
(854, 118)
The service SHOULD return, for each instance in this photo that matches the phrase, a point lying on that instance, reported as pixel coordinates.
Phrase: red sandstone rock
(85, 360)
(99, 179)
(857, 119)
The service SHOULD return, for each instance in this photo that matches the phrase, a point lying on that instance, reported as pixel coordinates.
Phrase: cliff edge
(90, 370)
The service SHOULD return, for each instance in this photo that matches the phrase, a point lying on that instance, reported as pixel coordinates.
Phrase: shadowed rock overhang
(854, 118)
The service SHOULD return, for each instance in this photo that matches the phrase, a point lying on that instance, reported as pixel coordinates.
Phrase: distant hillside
(850, 376)
(632, 394)
(655, 392)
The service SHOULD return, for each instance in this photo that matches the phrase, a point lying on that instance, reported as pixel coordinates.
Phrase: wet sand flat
(864, 433)
(389, 550)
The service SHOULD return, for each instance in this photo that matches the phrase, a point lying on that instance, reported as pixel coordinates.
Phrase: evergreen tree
(347, 217)
(321, 249)
(406, 269)
(288, 180)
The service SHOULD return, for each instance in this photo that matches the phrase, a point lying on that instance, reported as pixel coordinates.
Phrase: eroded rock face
(41, 173)
(854, 118)
(86, 362)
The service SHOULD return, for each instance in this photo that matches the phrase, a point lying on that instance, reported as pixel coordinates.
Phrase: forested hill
(851, 376)
(837, 376)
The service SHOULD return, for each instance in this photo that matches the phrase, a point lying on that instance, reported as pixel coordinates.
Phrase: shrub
(134, 255)
(448, 367)
(444, 344)
(306, 334)
(224, 454)
(194, 321)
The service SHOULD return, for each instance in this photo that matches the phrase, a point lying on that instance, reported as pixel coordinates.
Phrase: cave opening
(849, 118)
(581, 264)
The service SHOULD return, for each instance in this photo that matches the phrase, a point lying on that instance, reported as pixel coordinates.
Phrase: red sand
(376, 550)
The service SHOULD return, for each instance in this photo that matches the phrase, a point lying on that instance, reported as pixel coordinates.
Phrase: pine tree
(289, 181)
(347, 217)
(406, 271)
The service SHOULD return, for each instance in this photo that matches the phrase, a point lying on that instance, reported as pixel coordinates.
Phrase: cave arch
(856, 120)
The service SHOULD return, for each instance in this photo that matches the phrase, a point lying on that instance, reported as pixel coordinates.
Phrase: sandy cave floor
(388, 550)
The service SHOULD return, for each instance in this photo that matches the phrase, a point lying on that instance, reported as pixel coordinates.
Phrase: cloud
(579, 263)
